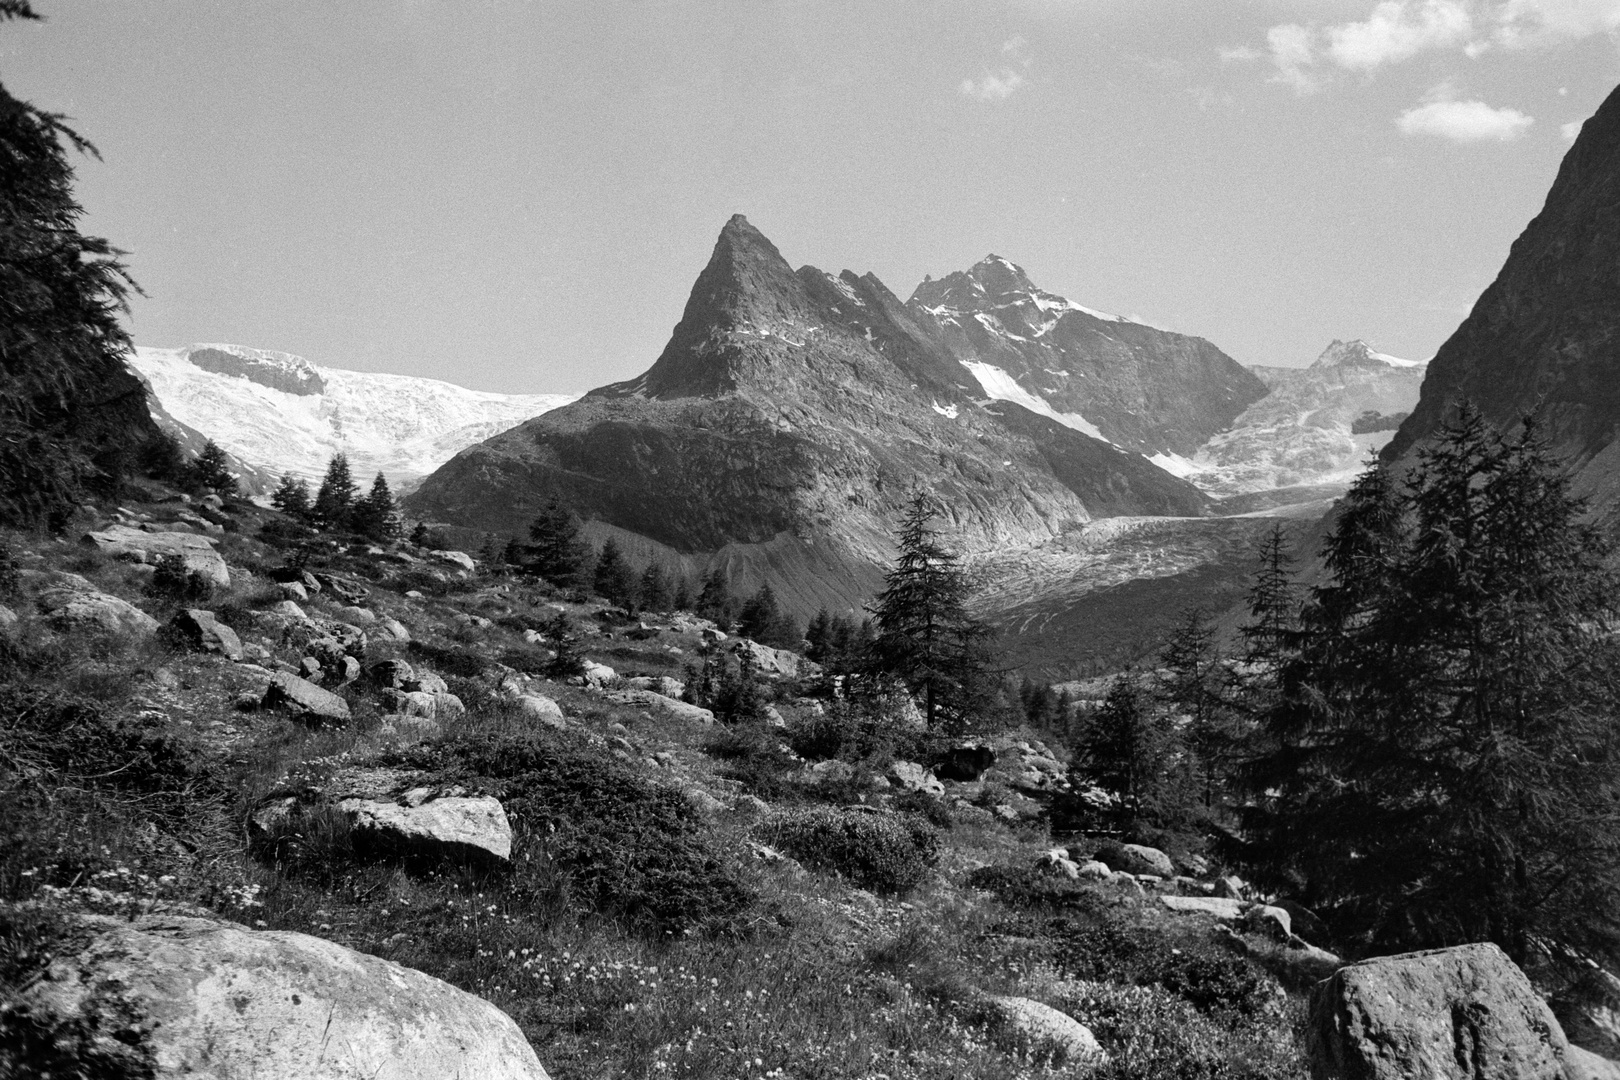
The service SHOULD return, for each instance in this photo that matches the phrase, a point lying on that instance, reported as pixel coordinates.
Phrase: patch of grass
(1027, 887)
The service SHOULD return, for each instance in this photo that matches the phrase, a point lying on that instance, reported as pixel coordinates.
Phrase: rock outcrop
(172, 997)
(304, 700)
(422, 826)
(194, 550)
(1467, 1013)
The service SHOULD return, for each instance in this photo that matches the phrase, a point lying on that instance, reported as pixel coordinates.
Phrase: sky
(517, 196)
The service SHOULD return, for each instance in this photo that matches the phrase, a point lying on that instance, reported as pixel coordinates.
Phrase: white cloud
(1014, 46)
(1464, 121)
(1570, 130)
(1399, 30)
(992, 85)
(1240, 54)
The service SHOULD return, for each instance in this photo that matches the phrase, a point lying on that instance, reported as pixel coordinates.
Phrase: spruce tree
(209, 470)
(1192, 683)
(715, 602)
(376, 516)
(1440, 761)
(925, 637)
(556, 550)
(72, 416)
(334, 503)
(818, 635)
(568, 662)
(614, 580)
(1131, 751)
(655, 595)
(682, 600)
(291, 497)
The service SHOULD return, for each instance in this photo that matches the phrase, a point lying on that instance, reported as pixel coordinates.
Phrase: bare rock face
(1545, 332)
(197, 998)
(1465, 1013)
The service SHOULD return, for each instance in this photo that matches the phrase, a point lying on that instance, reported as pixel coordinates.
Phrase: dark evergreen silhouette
(715, 601)
(291, 497)
(1194, 684)
(556, 550)
(376, 516)
(1440, 758)
(615, 581)
(1131, 750)
(655, 591)
(925, 637)
(333, 508)
(210, 471)
(73, 417)
(568, 662)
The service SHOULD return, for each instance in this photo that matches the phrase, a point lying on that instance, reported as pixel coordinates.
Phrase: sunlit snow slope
(284, 413)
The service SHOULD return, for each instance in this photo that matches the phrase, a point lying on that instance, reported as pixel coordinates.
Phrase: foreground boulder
(1041, 1033)
(1466, 1013)
(171, 997)
(1137, 859)
(73, 603)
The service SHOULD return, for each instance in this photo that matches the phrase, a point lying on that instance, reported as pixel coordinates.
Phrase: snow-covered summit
(1358, 353)
(997, 288)
(287, 414)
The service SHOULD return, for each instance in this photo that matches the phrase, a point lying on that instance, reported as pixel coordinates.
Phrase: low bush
(1027, 887)
(630, 849)
(1195, 969)
(856, 731)
(887, 853)
(173, 583)
(449, 660)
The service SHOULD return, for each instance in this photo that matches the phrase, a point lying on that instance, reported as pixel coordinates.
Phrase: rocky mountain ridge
(791, 411)
(1544, 334)
(278, 412)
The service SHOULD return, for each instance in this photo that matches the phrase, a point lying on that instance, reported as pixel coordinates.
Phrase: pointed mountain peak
(1358, 353)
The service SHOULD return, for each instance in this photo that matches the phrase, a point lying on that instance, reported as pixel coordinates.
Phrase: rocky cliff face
(1140, 387)
(1547, 331)
(792, 411)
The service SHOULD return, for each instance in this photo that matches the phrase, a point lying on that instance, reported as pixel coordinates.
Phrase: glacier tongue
(399, 425)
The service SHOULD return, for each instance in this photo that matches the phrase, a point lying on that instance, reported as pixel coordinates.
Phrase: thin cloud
(1527, 23)
(1240, 54)
(992, 85)
(1464, 122)
(1570, 130)
(1293, 49)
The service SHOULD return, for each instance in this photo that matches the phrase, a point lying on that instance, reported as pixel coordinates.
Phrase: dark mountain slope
(1547, 330)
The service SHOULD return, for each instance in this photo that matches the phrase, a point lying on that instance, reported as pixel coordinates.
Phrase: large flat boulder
(68, 606)
(304, 699)
(1464, 1013)
(455, 828)
(203, 632)
(1041, 1033)
(197, 552)
(180, 997)
(1137, 859)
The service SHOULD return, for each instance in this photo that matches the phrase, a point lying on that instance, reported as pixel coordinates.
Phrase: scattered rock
(1582, 1064)
(345, 589)
(310, 670)
(542, 709)
(387, 629)
(646, 698)
(703, 802)
(1231, 886)
(458, 829)
(201, 997)
(304, 699)
(456, 558)
(910, 776)
(660, 684)
(358, 615)
(389, 674)
(775, 663)
(201, 631)
(8, 618)
(1217, 906)
(1268, 922)
(1304, 921)
(1466, 1012)
(289, 609)
(1057, 862)
(1041, 1033)
(1137, 859)
(1094, 870)
(598, 674)
(427, 682)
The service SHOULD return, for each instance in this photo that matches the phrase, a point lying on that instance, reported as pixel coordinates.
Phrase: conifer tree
(1131, 751)
(209, 470)
(568, 662)
(682, 600)
(376, 516)
(1441, 762)
(715, 601)
(1194, 674)
(556, 550)
(72, 415)
(925, 638)
(614, 581)
(334, 503)
(655, 593)
(291, 497)
(818, 636)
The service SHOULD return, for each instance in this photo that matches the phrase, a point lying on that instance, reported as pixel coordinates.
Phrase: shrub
(1027, 887)
(449, 660)
(856, 730)
(631, 849)
(887, 853)
(174, 583)
(1201, 972)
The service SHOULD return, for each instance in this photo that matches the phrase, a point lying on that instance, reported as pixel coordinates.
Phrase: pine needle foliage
(334, 504)
(556, 551)
(1442, 763)
(72, 415)
(925, 637)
